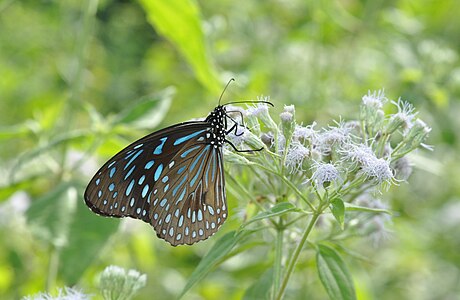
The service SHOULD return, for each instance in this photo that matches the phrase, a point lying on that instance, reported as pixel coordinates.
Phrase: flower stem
(296, 254)
(278, 259)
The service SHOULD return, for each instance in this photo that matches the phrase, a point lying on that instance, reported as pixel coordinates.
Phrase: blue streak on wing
(133, 158)
(179, 185)
(187, 137)
(186, 152)
(158, 172)
(192, 182)
(193, 165)
(159, 148)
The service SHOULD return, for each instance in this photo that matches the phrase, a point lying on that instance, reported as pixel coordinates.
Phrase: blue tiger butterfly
(172, 179)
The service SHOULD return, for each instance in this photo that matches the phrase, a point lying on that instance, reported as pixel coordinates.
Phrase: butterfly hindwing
(172, 179)
(192, 205)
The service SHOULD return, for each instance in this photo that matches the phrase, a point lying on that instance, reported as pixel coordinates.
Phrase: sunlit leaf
(334, 274)
(180, 22)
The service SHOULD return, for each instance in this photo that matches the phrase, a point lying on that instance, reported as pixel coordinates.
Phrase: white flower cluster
(358, 156)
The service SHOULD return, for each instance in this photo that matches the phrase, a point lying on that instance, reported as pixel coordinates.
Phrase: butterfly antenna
(225, 88)
(250, 102)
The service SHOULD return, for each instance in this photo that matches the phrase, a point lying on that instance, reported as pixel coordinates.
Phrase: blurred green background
(81, 79)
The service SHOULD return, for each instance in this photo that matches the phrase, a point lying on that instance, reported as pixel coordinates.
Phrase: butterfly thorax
(216, 120)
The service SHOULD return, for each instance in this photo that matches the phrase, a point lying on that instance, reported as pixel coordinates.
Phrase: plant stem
(296, 254)
(53, 266)
(278, 259)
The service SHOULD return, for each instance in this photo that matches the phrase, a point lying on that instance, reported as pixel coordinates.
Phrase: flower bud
(117, 283)
(418, 133)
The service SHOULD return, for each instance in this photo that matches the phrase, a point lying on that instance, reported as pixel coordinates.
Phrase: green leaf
(179, 21)
(338, 210)
(87, 237)
(260, 290)
(148, 112)
(277, 210)
(334, 274)
(62, 219)
(49, 217)
(220, 249)
(353, 207)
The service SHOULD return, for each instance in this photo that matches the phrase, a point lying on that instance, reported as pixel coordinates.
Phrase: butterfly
(172, 179)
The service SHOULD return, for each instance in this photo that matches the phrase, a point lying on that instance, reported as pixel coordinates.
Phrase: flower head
(325, 173)
(376, 100)
(403, 118)
(379, 170)
(67, 293)
(260, 110)
(303, 133)
(117, 283)
(333, 136)
(357, 153)
(296, 155)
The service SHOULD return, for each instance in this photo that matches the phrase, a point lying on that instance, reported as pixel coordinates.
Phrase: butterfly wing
(172, 179)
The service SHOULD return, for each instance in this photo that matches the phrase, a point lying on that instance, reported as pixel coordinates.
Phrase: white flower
(296, 154)
(359, 153)
(117, 283)
(256, 111)
(325, 173)
(66, 294)
(403, 118)
(379, 170)
(305, 132)
(286, 116)
(333, 136)
(375, 100)
(238, 136)
(289, 108)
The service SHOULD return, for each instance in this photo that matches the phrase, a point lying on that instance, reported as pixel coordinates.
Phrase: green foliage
(80, 80)
(334, 274)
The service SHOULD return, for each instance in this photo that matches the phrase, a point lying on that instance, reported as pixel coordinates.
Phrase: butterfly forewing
(172, 179)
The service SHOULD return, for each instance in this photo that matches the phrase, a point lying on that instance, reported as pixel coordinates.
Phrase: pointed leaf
(338, 210)
(334, 274)
(87, 237)
(148, 112)
(277, 210)
(179, 21)
(220, 249)
(49, 216)
(260, 290)
(353, 207)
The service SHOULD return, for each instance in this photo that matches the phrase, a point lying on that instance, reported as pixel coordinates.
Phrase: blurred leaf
(334, 274)
(338, 210)
(18, 130)
(353, 207)
(88, 235)
(49, 216)
(260, 290)
(220, 249)
(147, 113)
(277, 210)
(180, 22)
(55, 142)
